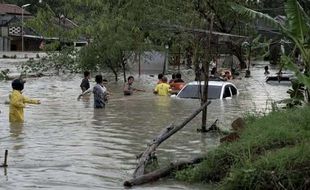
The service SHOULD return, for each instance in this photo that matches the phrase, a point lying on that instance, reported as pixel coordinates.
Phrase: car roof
(211, 83)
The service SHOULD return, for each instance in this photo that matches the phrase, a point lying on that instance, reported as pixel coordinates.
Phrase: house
(11, 17)
(14, 37)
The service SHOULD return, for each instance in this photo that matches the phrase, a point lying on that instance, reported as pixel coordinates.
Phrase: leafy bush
(57, 62)
(272, 145)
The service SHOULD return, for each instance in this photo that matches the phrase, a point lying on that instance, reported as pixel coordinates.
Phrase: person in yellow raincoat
(18, 102)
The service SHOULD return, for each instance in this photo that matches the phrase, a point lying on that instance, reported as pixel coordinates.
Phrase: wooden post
(206, 79)
(5, 159)
(139, 63)
(249, 56)
(179, 61)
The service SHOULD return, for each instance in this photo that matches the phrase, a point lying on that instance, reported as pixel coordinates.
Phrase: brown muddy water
(66, 144)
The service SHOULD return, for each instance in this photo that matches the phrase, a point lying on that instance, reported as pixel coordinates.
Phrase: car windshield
(192, 91)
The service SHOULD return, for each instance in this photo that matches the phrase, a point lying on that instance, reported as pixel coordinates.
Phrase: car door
(233, 90)
(227, 92)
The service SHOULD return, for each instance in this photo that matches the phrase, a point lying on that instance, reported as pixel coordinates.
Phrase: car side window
(233, 90)
(226, 92)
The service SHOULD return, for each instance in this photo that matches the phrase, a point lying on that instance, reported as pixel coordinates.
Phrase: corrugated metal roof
(12, 9)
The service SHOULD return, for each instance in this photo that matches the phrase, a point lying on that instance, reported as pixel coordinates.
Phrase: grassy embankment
(273, 152)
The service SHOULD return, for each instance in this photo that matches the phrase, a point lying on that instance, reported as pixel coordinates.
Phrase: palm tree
(295, 28)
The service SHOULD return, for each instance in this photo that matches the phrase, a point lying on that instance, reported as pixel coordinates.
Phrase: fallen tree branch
(163, 172)
(164, 134)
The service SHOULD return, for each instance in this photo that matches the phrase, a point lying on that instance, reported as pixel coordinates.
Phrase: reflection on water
(16, 129)
(86, 101)
(66, 144)
(99, 117)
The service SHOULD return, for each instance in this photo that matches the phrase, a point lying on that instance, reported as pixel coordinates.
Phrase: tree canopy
(118, 26)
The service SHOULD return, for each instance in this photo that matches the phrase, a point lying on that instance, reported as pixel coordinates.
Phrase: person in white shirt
(100, 92)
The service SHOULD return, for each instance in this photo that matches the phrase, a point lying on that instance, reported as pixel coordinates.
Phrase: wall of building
(4, 44)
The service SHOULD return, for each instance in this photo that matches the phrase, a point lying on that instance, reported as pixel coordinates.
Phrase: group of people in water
(162, 88)
(101, 94)
(18, 101)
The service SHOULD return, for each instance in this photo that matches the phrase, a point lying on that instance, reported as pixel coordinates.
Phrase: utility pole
(24, 6)
(166, 60)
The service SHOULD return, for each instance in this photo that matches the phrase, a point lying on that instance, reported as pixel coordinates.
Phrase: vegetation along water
(65, 143)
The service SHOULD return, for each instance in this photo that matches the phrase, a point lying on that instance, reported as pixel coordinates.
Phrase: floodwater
(66, 144)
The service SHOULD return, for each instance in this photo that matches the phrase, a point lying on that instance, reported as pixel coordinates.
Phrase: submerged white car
(216, 90)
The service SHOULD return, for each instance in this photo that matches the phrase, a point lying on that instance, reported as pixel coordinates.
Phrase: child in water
(128, 89)
(266, 70)
(85, 82)
(18, 102)
(100, 92)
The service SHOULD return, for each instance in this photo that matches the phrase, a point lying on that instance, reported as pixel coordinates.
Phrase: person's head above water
(18, 84)
(178, 76)
(86, 74)
(98, 79)
(173, 75)
(130, 79)
(160, 76)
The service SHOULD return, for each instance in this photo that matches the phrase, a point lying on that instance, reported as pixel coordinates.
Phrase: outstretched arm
(31, 101)
(85, 92)
(137, 89)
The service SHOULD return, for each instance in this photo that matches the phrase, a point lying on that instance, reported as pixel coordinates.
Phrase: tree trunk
(139, 64)
(274, 53)
(189, 56)
(124, 69)
(236, 50)
(163, 172)
(206, 80)
(114, 71)
(164, 134)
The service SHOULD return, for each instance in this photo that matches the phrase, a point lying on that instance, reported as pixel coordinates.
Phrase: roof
(178, 27)
(211, 83)
(4, 20)
(12, 9)
(37, 37)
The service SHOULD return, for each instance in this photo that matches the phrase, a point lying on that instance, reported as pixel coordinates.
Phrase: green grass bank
(273, 152)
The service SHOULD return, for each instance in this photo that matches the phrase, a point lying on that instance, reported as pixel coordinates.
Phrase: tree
(295, 28)
(138, 25)
(113, 41)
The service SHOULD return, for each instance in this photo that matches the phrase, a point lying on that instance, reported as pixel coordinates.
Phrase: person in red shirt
(177, 84)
